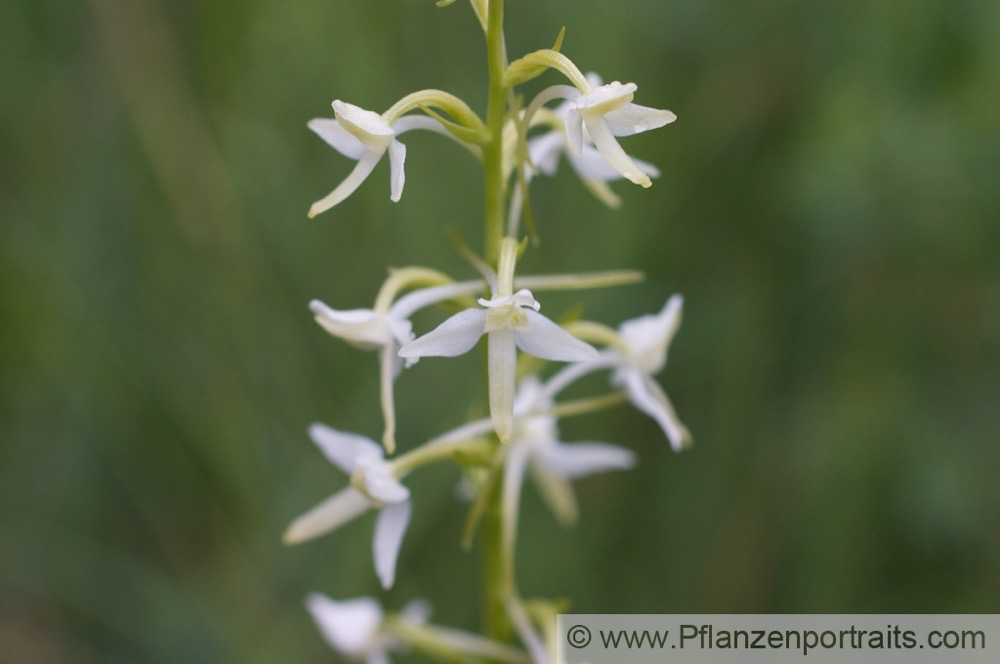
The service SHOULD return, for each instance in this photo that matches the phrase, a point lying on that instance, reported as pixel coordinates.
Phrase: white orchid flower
(587, 162)
(535, 446)
(643, 354)
(357, 628)
(510, 322)
(365, 137)
(635, 353)
(608, 111)
(360, 630)
(386, 327)
(376, 486)
(350, 627)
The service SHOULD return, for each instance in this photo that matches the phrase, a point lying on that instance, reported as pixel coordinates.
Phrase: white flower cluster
(521, 434)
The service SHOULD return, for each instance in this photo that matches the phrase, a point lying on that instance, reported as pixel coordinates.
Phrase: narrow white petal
(582, 459)
(602, 192)
(361, 171)
(349, 627)
(574, 130)
(544, 151)
(412, 302)
(591, 163)
(343, 449)
(516, 207)
(670, 317)
(337, 137)
(548, 341)
(613, 152)
(342, 316)
(453, 337)
(646, 395)
(362, 328)
(557, 493)
(569, 375)
(389, 363)
(389, 530)
(633, 119)
(513, 479)
(502, 367)
(529, 637)
(397, 176)
(329, 515)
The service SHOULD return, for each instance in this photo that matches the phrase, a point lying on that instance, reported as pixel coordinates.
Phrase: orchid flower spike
(374, 484)
(643, 353)
(510, 321)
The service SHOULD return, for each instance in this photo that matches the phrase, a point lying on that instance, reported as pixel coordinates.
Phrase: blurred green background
(829, 207)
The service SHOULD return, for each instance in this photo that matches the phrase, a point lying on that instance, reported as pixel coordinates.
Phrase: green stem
(493, 150)
(496, 570)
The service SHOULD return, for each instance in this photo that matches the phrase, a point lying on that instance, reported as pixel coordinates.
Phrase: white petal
(557, 493)
(337, 137)
(362, 328)
(646, 395)
(606, 98)
(591, 163)
(544, 151)
(574, 130)
(329, 515)
(529, 637)
(502, 368)
(582, 459)
(397, 156)
(648, 337)
(453, 337)
(349, 627)
(377, 657)
(513, 479)
(548, 341)
(380, 482)
(367, 125)
(389, 530)
(389, 366)
(613, 152)
(416, 300)
(341, 448)
(361, 171)
(634, 119)
(529, 396)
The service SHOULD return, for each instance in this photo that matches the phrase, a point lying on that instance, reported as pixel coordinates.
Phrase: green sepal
(477, 136)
